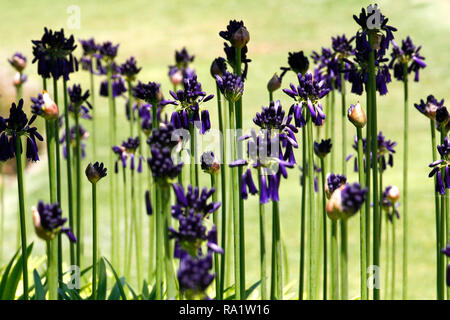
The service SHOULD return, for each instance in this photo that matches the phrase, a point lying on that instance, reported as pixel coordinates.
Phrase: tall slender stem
(303, 216)
(387, 241)
(332, 123)
(366, 166)
(278, 260)
(393, 255)
(324, 218)
(94, 116)
(442, 220)
(2, 212)
(363, 239)
(235, 205)
(334, 261)
(159, 245)
(373, 119)
(23, 231)
(344, 120)
(94, 241)
(344, 259)
(137, 230)
(312, 219)
(130, 108)
(127, 235)
(216, 223)
(52, 271)
(262, 243)
(78, 186)
(405, 184)
(224, 189)
(168, 254)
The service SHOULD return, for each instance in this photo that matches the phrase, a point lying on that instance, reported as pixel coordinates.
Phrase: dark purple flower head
(352, 198)
(129, 69)
(77, 97)
(389, 202)
(385, 149)
(230, 53)
(193, 201)
(18, 61)
(118, 87)
(443, 164)
(322, 148)
(236, 34)
(298, 62)
(53, 53)
(149, 92)
(13, 128)
(191, 94)
(126, 153)
(342, 46)
(90, 48)
(48, 222)
(131, 144)
(429, 107)
(218, 67)
(95, 172)
(194, 277)
(407, 55)
(374, 21)
(108, 51)
(334, 182)
(145, 116)
(209, 163)
(231, 86)
(442, 119)
(183, 59)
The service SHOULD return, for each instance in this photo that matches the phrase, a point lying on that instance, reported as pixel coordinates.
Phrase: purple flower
(323, 148)
(48, 221)
(194, 277)
(13, 128)
(352, 198)
(193, 201)
(367, 24)
(126, 151)
(442, 165)
(407, 54)
(90, 48)
(118, 87)
(107, 51)
(430, 107)
(129, 69)
(209, 163)
(183, 59)
(231, 86)
(77, 97)
(218, 67)
(230, 53)
(236, 34)
(95, 172)
(297, 62)
(18, 61)
(334, 182)
(53, 53)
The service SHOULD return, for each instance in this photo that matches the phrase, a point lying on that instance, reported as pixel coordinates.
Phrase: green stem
(334, 261)
(324, 217)
(69, 170)
(442, 220)
(344, 259)
(94, 116)
(405, 184)
(216, 223)
(94, 241)
(52, 271)
(2, 212)
(127, 234)
(159, 245)
(332, 122)
(387, 262)
(373, 118)
(235, 205)
(192, 155)
(344, 121)
(278, 253)
(367, 171)
(363, 238)
(168, 253)
(224, 189)
(23, 231)
(262, 244)
(130, 108)
(303, 216)
(393, 255)
(78, 186)
(137, 230)
(312, 219)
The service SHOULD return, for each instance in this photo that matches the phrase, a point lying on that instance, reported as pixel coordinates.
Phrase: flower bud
(95, 172)
(218, 67)
(393, 194)
(39, 229)
(240, 38)
(274, 83)
(176, 78)
(18, 62)
(209, 163)
(50, 108)
(357, 116)
(18, 79)
(334, 208)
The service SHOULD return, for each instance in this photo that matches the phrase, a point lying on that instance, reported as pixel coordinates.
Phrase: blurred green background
(152, 30)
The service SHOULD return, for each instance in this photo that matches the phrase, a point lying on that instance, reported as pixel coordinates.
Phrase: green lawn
(152, 30)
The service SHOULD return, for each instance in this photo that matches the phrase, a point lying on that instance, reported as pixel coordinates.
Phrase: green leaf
(135, 297)
(6, 274)
(119, 282)
(145, 293)
(39, 288)
(103, 281)
(248, 292)
(115, 292)
(13, 281)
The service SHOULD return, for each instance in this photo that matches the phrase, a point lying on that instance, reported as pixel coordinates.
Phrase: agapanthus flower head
(43, 105)
(48, 222)
(389, 202)
(297, 62)
(322, 148)
(342, 47)
(77, 96)
(334, 182)
(18, 61)
(161, 163)
(442, 119)
(126, 153)
(236, 33)
(149, 92)
(14, 127)
(193, 201)
(183, 58)
(218, 67)
(346, 201)
(231, 86)
(443, 164)
(145, 116)
(406, 54)
(230, 53)
(374, 21)
(429, 107)
(129, 69)
(192, 93)
(194, 276)
(95, 172)
(73, 139)
(357, 116)
(118, 87)
(274, 83)
(108, 51)
(90, 48)
(53, 54)
(209, 163)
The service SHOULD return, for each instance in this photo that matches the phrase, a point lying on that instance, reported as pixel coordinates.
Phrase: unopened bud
(334, 208)
(50, 108)
(274, 83)
(39, 229)
(357, 116)
(393, 194)
(176, 78)
(240, 38)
